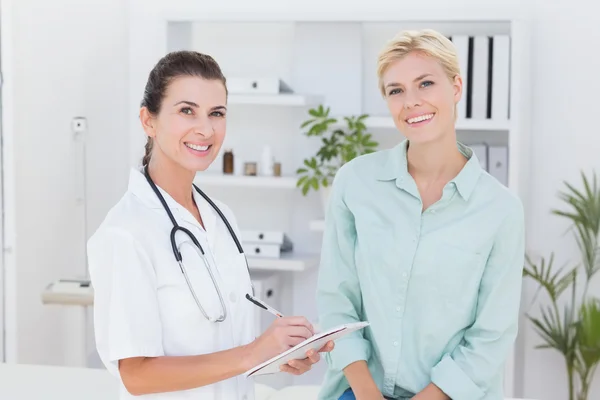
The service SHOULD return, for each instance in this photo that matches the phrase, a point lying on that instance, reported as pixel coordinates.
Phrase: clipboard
(298, 352)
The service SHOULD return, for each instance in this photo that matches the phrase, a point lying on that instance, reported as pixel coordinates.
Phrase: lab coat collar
(209, 217)
(396, 168)
(139, 186)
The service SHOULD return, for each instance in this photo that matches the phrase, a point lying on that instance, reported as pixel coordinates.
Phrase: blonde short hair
(426, 41)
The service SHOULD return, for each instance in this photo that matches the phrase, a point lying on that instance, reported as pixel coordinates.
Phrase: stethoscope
(177, 253)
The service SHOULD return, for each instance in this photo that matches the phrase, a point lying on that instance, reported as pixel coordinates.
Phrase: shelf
(274, 99)
(317, 225)
(287, 262)
(461, 125)
(213, 179)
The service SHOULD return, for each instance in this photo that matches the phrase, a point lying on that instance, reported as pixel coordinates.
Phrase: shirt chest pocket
(455, 276)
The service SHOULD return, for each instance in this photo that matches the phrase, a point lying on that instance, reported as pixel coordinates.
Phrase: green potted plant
(339, 145)
(573, 329)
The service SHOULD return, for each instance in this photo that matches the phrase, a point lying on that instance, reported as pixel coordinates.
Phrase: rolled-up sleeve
(338, 291)
(126, 314)
(467, 372)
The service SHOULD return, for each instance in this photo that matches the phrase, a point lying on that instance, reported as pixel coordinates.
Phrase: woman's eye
(217, 114)
(427, 83)
(394, 91)
(187, 110)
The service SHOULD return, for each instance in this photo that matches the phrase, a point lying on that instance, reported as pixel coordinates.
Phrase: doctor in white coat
(170, 314)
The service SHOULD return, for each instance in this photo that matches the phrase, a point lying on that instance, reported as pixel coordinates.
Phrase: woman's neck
(435, 161)
(173, 179)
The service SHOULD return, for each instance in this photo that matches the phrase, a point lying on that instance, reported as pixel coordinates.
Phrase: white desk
(33, 382)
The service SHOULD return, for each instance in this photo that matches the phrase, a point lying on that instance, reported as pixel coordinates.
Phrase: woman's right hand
(283, 334)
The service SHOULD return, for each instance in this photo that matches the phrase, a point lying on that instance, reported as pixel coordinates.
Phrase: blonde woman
(424, 244)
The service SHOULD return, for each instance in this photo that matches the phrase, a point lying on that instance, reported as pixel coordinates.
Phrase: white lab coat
(142, 304)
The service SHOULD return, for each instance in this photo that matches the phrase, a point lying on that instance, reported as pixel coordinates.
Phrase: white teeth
(196, 147)
(419, 118)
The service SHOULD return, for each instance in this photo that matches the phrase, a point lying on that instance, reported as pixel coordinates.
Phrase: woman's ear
(148, 122)
(458, 86)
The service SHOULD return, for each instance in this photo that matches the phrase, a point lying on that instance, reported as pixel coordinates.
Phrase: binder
(272, 237)
(500, 77)
(498, 163)
(461, 43)
(480, 78)
(264, 250)
(257, 85)
(481, 151)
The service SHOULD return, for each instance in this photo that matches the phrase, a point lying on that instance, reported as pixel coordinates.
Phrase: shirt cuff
(347, 351)
(453, 381)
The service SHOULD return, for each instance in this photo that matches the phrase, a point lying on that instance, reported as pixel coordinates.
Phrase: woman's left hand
(299, 367)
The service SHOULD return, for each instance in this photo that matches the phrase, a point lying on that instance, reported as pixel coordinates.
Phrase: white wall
(70, 58)
(565, 83)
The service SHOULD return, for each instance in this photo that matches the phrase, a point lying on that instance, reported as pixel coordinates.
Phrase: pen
(263, 305)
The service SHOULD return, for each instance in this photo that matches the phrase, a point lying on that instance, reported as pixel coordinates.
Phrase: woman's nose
(411, 100)
(204, 127)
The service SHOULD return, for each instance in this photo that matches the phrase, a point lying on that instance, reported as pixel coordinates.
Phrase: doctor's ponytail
(168, 68)
(148, 153)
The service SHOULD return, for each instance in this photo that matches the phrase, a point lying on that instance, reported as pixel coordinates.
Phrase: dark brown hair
(170, 67)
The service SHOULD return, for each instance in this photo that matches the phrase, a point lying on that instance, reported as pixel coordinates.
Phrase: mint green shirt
(440, 288)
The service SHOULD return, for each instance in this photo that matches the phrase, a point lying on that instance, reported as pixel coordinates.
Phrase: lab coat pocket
(238, 285)
(206, 292)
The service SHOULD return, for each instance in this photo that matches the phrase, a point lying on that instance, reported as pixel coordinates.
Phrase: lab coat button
(232, 297)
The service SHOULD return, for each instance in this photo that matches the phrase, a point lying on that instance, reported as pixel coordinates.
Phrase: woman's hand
(283, 334)
(299, 367)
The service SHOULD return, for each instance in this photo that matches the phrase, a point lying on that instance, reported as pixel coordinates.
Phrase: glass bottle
(228, 161)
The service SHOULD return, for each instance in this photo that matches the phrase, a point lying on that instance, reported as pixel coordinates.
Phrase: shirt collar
(395, 167)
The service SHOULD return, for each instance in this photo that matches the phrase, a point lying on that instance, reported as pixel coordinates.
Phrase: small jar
(250, 169)
(277, 169)
(228, 162)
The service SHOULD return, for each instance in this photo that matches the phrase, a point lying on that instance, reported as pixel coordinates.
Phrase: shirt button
(398, 308)
(404, 275)
(396, 344)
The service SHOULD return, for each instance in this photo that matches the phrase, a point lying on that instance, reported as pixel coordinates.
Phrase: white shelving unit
(287, 262)
(329, 56)
(295, 100)
(242, 181)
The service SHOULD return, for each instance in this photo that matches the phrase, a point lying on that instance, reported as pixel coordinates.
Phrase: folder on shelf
(266, 237)
(461, 42)
(265, 243)
(498, 163)
(481, 151)
(298, 352)
(479, 88)
(500, 77)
